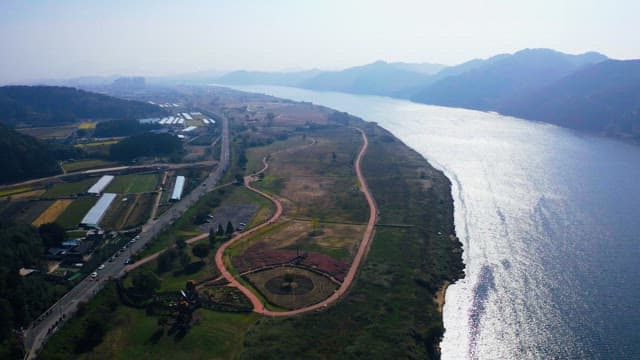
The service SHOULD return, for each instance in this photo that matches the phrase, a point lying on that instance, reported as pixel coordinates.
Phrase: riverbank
(392, 307)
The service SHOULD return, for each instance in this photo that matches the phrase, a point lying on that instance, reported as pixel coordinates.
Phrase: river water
(549, 223)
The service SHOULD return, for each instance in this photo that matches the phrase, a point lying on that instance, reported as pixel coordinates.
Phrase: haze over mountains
(587, 92)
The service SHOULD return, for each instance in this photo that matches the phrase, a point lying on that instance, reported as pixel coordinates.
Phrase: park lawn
(133, 183)
(87, 164)
(218, 336)
(74, 213)
(70, 188)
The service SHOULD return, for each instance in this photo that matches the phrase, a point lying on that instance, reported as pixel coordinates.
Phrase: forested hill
(53, 105)
(24, 157)
(604, 98)
(490, 83)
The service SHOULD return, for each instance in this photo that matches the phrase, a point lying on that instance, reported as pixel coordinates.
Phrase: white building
(177, 188)
(96, 213)
(97, 188)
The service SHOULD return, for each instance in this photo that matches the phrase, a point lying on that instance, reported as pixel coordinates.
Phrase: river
(549, 223)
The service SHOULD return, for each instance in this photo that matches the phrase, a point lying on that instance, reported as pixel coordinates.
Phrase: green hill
(53, 105)
(24, 157)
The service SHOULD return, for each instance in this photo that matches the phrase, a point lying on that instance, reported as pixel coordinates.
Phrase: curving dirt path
(258, 306)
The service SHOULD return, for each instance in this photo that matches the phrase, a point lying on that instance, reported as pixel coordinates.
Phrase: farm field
(53, 211)
(33, 194)
(24, 211)
(141, 210)
(87, 165)
(307, 287)
(128, 211)
(74, 213)
(70, 188)
(117, 213)
(87, 125)
(133, 183)
(9, 192)
(49, 132)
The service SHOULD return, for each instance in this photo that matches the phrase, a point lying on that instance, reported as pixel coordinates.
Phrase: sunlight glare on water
(548, 220)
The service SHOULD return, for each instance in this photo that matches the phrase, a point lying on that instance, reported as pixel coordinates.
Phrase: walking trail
(258, 306)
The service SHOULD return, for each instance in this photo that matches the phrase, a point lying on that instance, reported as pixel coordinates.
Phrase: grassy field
(217, 336)
(390, 311)
(51, 214)
(141, 210)
(74, 213)
(87, 165)
(133, 183)
(323, 184)
(70, 188)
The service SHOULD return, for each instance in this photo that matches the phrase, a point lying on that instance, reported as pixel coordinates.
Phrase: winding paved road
(258, 306)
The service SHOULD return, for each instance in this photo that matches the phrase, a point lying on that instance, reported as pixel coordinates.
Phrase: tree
(220, 230)
(52, 234)
(212, 238)
(165, 260)
(185, 260)
(181, 244)
(201, 251)
(163, 321)
(229, 228)
(146, 282)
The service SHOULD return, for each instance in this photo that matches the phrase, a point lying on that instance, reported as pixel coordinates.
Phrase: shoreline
(441, 294)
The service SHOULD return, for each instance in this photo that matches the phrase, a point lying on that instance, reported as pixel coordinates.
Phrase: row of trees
(52, 105)
(122, 128)
(146, 144)
(22, 299)
(25, 157)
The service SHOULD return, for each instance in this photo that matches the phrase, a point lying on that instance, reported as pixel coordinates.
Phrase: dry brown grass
(339, 241)
(53, 211)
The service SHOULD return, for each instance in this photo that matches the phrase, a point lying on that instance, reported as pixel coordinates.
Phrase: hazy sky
(53, 39)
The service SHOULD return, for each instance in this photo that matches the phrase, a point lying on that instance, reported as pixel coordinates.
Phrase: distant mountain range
(52, 105)
(586, 92)
(603, 98)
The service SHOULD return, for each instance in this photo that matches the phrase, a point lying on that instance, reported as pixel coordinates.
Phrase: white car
(94, 275)
(101, 267)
